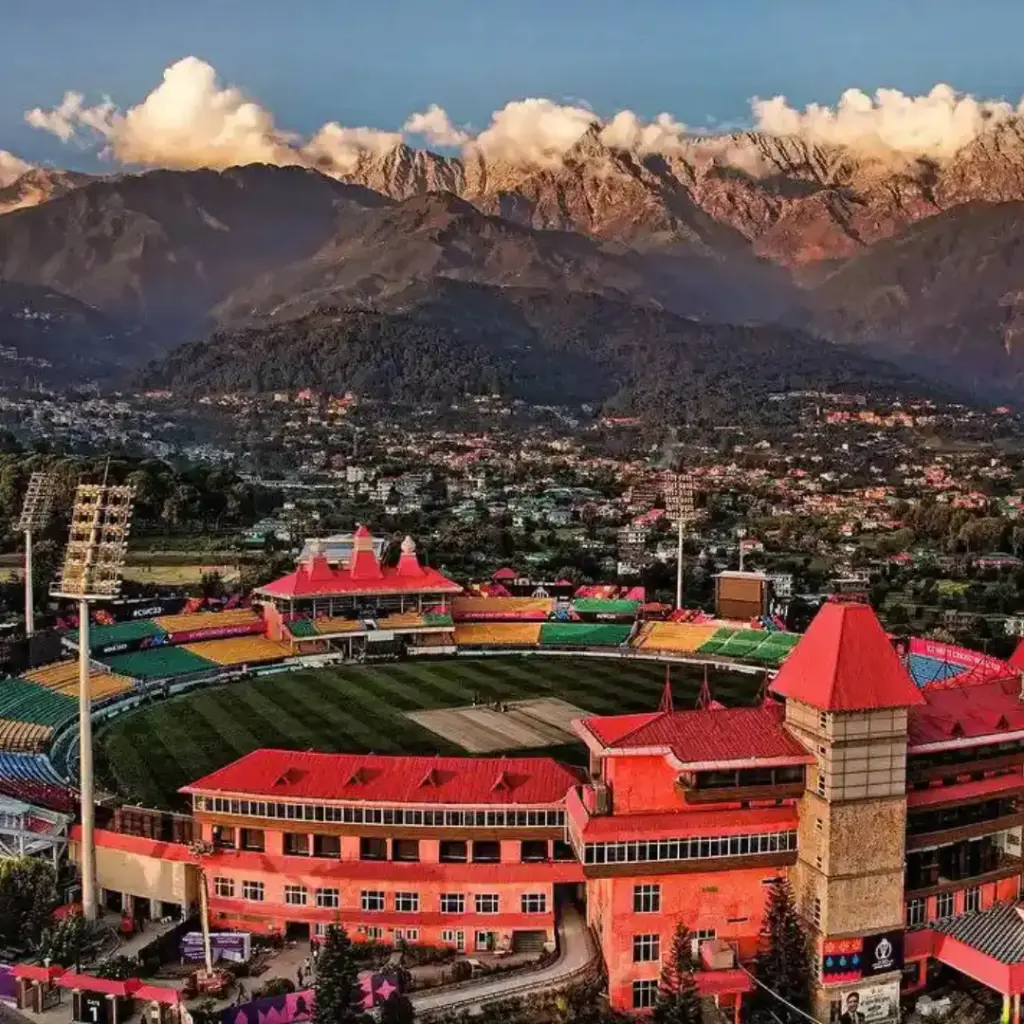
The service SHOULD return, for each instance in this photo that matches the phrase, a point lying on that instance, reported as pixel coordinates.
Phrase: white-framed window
(296, 895)
(534, 903)
(972, 899)
(645, 993)
(647, 899)
(484, 941)
(252, 891)
(371, 899)
(407, 935)
(451, 937)
(699, 936)
(646, 948)
(944, 905)
(373, 933)
(487, 903)
(915, 912)
(453, 903)
(407, 902)
(224, 887)
(320, 929)
(329, 898)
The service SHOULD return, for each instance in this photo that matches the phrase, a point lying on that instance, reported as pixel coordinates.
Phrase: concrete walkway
(576, 953)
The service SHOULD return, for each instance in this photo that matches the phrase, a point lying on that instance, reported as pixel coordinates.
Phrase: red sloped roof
(291, 774)
(338, 581)
(967, 712)
(1017, 658)
(89, 983)
(707, 736)
(845, 662)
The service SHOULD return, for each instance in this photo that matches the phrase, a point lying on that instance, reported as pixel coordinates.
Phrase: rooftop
(367, 778)
(361, 575)
(967, 712)
(712, 736)
(845, 662)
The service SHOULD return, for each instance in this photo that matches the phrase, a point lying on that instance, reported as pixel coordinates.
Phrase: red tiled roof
(88, 983)
(961, 792)
(680, 824)
(708, 736)
(292, 774)
(1017, 658)
(967, 712)
(844, 662)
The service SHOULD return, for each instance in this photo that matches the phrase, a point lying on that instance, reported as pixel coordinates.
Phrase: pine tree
(336, 991)
(678, 1001)
(783, 962)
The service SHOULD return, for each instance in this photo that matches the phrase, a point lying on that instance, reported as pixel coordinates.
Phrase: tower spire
(666, 693)
(704, 698)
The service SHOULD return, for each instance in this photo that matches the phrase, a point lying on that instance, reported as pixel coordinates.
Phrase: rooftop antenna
(93, 562)
(35, 512)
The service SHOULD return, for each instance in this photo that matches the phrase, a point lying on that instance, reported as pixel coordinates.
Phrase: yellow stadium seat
(326, 626)
(239, 650)
(502, 606)
(206, 620)
(23, 737)
(676, 637)
(400, 620)
(101, 684)
(497, 634)
(55, 675)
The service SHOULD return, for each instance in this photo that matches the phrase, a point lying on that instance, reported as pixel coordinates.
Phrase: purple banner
(8, 985)
(296, 1006)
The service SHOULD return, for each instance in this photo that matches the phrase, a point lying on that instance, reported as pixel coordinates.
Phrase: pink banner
(191, 636)
(961, 656)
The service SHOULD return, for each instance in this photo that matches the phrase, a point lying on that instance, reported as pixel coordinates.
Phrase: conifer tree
(783, 963)
(336, 991)
(678, 1000)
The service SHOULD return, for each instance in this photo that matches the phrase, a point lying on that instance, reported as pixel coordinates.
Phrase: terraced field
(147, 754)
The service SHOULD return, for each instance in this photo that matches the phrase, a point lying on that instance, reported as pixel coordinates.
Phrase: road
(576, 953)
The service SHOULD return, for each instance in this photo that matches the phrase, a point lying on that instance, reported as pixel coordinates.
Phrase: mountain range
(916, 265)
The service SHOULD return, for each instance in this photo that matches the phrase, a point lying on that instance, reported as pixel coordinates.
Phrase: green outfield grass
(147, 754)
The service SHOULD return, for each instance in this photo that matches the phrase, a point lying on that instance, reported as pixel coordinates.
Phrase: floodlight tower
(93, 561)
(682, 501)
(34, 513)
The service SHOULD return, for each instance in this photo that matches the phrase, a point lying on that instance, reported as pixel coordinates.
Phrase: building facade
(890, 809)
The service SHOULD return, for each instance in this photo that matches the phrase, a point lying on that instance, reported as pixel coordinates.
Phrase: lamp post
(35, 511)
(91, 571)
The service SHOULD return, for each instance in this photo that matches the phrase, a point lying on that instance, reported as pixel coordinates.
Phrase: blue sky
(310, 61)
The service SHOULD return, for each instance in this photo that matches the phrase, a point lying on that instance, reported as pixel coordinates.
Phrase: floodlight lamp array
(97, 543)
(35, 509)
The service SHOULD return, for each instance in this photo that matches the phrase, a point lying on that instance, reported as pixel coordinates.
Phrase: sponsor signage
(215, 632)
(234, 946)
(876, 1003)
(841, 960)
(883, 953)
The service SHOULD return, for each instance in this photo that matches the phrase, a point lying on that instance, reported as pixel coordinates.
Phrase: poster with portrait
(866, 1004)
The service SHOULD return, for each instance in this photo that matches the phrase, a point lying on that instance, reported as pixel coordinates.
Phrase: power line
(775, 995)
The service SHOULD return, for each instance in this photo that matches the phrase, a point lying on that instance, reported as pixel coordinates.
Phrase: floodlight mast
(93, 561)
(35, 511)
(682, 498)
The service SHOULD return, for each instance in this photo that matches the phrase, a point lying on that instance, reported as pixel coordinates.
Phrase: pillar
(30, 624)
(87, 801)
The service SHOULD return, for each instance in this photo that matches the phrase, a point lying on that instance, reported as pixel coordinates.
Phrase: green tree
(397, 1010)
(336, 991)
(68, 941)
(678, 1000)
(783, 964)
(28, 896)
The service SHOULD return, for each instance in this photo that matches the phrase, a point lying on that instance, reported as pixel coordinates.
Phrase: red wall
(730, 902)
(642, 784)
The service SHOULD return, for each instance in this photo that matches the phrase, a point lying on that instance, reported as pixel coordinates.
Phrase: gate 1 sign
(93, 1008)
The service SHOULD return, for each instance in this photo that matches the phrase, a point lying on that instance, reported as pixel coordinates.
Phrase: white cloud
(662, 135)
(11, 168)
(336, 149)
(533, 132)
(436, 127)
(889, 123)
